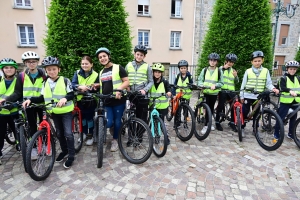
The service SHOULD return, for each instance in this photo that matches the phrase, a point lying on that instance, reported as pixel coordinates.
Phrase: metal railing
(173, 71)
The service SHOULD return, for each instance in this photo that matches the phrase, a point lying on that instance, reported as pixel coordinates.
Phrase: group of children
(38, 87)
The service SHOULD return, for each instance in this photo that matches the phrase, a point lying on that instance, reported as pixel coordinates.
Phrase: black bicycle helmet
(257, 54)
(231, 57)
(103, 49)
(8, 62)
(292, 64)
(183, 63)
(50, 60)
(213, 56)
(140, 48)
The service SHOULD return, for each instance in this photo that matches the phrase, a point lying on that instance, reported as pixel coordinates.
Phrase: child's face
(213, 63)
(31, 64)
(183, 70)
(52, 71)
(9, 70)
(139, 56)
(157, 74)
(292, 70)
(229, 64)
(103, 58)
(257, 62)
(86, 65)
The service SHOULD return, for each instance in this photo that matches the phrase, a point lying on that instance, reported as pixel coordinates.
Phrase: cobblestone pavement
(219, 167)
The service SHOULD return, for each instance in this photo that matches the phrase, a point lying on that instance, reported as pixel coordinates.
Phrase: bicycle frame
(153, 113)
(176, 101)
(77, 110)
(237, 104)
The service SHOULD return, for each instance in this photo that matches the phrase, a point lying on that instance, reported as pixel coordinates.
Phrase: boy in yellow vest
(230, 78)
(290, 88)
(60, 90)
(258, 78)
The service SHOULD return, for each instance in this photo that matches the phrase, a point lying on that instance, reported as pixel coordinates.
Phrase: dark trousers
(223, 97)
(282, 112)
(246, 109)
(141, 106)
(32, 114)
(162, 113)
(4, 121)
(210, 101)
(63, 125)
(87, 114)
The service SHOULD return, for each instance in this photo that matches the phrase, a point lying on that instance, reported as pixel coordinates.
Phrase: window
(175, 39)
(26, 35)
(23, 3)
(284, 41)
(143, 7)
(283, 36)
(176, 8)
(143, 38)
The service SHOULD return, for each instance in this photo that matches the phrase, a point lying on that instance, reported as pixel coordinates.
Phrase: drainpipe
(194, 27)
(45, 10)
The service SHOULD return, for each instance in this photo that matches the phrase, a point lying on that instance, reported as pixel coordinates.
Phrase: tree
(78, 28)
(240, 27)
(297, 58)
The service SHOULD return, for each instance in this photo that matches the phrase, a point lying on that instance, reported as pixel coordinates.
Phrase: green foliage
(240, 27)
(77, 28)
(297, 57)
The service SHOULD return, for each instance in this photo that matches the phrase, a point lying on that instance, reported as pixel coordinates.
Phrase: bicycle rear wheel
(160, 143)
(100, 143)
(78, 137)
(184, 122)
(9, 136)
(297, 132)
(239, 123)
(135, 141)
(23, 143)
(265, 133)
(201, 111)
(39, 169)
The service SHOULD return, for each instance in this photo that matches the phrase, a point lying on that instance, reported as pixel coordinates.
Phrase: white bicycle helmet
(30, 55)
(292, 64)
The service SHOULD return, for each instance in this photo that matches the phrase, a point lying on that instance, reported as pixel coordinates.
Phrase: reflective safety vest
(58, 93)
(187, 93)
(211, 79)
(137, 77)
(258, 83)
(86, 81)
(32, 90)
(5, 93)
(285, 96)
(116, 79)
(228, 80)
(162, 101)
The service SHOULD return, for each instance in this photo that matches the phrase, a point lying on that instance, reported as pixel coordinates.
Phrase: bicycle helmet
(292, 64)
(257, 54)
(158, 67)
(231, 57)
(30, 55)
(140, 48)
(102, 49)
(213, 56)
(50, 60)
(8, 62)
(183, 63)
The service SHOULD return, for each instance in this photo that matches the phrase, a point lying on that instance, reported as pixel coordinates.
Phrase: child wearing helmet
(211, 77)
(230, 78)
(8, 113)
(289, 85)
(258, 78)
(182, 78)
(60, 90)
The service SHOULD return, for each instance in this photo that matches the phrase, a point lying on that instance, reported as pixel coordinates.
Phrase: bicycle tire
(9, 136)
(135, 135)
(23, 144)
(200, 121)
(296, 133)
(31, 165)
(169, 115)
(78, 137)
(100, 143)
(270, 143)
(160, 143)
(186, 109)
(239, 124)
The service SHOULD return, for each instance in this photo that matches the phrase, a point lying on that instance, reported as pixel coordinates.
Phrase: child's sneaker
(243, 133)
(212, 128)
(89, 142)
(114, 146)
(219, 127)
(34, 154)
(290, 136)
(204, 129)
(61, 157)
(68, 163)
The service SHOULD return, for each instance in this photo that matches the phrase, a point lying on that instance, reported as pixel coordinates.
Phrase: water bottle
(290, 111)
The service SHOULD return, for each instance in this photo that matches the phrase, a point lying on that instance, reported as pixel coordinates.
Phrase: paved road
(220, 167)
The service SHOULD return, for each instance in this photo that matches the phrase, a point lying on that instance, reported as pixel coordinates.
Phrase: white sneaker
(114, 145)
(34, 154)
(84, 138)
(212, 128)
(243, 133)
(203, 131)
(89, 142)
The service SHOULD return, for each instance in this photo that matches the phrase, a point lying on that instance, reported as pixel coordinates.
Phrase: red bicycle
(77, 128)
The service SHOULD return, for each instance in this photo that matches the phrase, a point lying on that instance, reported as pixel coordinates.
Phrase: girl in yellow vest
(60, 90)
(290, 87)
(83, 78)
(7, 85)
(258, 78)
(211, 77)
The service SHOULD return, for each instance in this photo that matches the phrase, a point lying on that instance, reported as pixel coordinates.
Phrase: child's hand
(61, 102)
(1, 101)
(95, 86)
(26, 103)
(213, 87)
(143, 92)
(169, 94)
(293, 93)
(242, 101)
(234, 72)
(276, 91)
(83, 88)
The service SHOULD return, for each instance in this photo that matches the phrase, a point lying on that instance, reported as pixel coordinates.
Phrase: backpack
(219, 74)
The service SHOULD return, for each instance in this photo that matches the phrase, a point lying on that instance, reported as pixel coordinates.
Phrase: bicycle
(179, 108)
(77, 127)
(135, 140)
(158, 129)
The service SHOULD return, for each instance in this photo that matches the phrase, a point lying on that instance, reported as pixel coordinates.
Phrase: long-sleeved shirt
(75, 82)
(247, 95)
(201, 78)
(144, 86)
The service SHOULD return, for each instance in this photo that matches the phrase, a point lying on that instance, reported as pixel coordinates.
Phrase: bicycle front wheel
(100, 143)
(39, 161)
(202, 131)
(135, 141)
(23, 144)
(184, 122)
(264, 133)
(78, 137)
(160, 143)
(296, 132)
(239, 123)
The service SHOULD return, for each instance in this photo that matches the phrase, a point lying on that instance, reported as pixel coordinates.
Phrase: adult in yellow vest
(230, 78)
(140, 79)
(289, 85)
(112, 77)
(256, 77)
(7, 85)
(211, 77)
(81, 82)
(60, 90)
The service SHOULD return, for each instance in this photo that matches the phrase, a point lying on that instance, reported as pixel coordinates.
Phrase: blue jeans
(282, 112)
(63, 125)
(114, 116)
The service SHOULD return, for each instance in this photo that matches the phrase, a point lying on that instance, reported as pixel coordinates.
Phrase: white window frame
(22, 3)
(28, 43)
(174, 44)
(285, 39)
(143, 42)
(178, 9)
(145, 7)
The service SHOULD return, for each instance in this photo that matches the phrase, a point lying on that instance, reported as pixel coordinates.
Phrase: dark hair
(87, 58)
